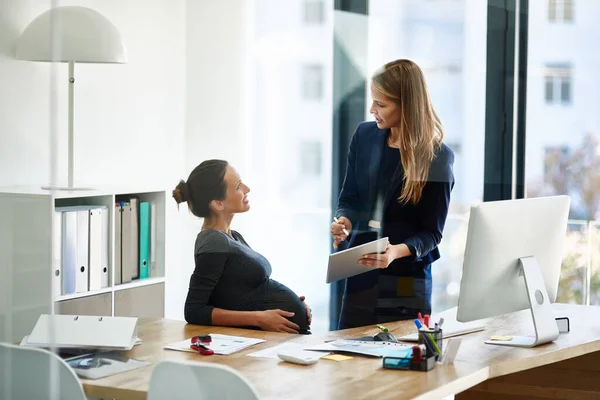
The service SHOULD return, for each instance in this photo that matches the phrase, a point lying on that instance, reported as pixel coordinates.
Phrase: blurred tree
(576, 173)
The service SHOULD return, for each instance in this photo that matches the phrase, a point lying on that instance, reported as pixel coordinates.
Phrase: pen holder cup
(432, 339)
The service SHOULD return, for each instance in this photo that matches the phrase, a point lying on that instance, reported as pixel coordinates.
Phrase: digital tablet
(344, 264)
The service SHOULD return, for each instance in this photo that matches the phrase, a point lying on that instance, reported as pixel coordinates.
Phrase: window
(314, 12)
(456, 147)
(288, 164)
(310, 158)
(312, 82)
(557, 84)
(555, 165)
(562, 149)
(457, 88)
(560, 10)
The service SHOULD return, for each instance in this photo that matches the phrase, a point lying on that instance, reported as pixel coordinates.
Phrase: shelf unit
(26, 260)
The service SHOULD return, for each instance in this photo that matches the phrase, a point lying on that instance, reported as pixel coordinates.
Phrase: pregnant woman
(231, 284)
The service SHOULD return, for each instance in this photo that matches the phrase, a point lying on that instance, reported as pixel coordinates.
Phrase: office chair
(184, 380)
(27, 373)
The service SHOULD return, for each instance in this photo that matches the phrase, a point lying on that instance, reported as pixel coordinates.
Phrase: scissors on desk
(200, 344)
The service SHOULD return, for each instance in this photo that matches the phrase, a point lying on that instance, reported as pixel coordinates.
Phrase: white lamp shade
(82, 35)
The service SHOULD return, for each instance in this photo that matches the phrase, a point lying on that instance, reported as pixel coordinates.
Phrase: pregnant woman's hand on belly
(308, 310)
(276, 321)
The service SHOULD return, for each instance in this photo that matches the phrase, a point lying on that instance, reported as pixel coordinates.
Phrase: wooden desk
(567, 368)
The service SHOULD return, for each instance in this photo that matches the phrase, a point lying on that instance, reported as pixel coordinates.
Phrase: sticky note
(337, 357)
(501, 338)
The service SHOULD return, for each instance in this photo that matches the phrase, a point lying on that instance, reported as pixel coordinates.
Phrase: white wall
(129, 119)
(216, 120)
(216, 87)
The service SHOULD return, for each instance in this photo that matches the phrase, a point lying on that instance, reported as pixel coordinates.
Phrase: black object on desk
(409, 363)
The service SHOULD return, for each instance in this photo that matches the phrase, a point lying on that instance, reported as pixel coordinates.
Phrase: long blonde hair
(421, 131)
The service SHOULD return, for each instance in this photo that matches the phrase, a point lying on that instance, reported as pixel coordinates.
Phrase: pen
(427, 342)
(426, 321)
(420, 317)
(344, 229)
(428, 338)
(441, 322)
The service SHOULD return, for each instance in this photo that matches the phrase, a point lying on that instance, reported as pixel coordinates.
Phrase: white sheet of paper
(221, 344)
(272, 352)
(373, 349)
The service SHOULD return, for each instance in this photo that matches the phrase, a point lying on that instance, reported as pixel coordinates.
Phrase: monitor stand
(546, 330)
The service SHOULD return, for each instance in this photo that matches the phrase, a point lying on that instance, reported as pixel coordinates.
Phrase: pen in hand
(344, 229)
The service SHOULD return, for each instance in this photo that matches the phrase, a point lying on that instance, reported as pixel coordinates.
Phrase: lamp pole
(71, 121)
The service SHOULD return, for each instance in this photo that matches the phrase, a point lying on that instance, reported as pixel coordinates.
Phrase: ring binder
(85, 332)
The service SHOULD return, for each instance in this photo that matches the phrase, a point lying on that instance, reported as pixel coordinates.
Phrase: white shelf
(123, 286)
(64, 194)
(79, 295)
(139, 283)
(28, 220)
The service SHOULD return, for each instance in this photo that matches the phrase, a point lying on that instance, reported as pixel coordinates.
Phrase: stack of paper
(221, 344)
(367, 348)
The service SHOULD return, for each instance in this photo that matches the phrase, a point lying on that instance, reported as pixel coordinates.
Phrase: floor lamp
(71, 34)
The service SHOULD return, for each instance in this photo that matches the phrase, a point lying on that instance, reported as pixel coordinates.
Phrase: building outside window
(310, 158)
(312, 82)
(560, 10)
(313, 12)
(557, 83)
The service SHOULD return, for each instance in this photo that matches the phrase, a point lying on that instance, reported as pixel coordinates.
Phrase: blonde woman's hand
(340, 230)
(383, 260)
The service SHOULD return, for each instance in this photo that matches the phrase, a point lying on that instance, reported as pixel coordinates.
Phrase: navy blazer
(422, 224)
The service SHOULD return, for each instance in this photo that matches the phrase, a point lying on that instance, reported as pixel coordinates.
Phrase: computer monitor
(512, 262)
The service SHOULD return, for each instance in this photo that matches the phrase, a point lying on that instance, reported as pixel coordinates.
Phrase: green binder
(144, 239)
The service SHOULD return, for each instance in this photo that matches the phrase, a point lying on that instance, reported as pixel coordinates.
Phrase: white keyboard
(449, 332)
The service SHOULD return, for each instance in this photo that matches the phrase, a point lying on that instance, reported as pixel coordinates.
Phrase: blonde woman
(398, 183)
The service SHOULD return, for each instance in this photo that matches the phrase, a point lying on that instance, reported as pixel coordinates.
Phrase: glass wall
(447, 39)
(288, 143)
(563, 130)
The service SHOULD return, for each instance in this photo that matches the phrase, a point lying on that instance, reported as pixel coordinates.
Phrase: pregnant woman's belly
(279, 296)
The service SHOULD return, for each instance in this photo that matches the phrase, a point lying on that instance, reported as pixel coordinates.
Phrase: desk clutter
(93, 346)
(218, 344)
(81, 240)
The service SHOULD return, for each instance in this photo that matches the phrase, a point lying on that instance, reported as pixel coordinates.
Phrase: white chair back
(185, 380)
(30, 373)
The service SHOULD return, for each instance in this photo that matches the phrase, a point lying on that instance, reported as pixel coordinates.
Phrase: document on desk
(102, 364)
(344, 264)
(272, 352)
(367, 348)
(220, 344)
